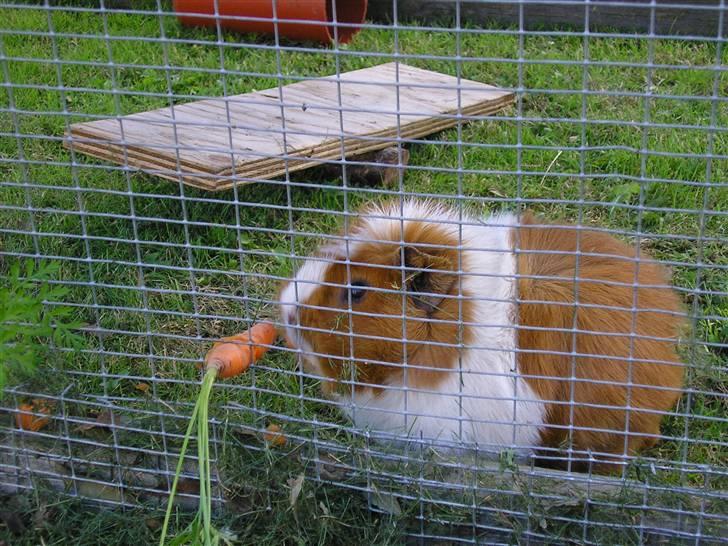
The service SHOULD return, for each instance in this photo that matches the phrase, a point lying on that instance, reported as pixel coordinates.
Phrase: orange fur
(657, 309)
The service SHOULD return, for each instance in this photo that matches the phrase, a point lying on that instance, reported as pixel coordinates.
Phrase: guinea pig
(503, 332)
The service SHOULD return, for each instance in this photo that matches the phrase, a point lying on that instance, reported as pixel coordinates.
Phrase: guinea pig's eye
(358, 291)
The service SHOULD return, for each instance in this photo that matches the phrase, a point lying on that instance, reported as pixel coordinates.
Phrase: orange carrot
(27, 421)
(233, 355)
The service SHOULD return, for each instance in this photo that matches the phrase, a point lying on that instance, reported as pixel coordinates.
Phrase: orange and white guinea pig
(504, 331)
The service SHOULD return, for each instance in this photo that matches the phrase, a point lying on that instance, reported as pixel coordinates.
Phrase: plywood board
(215, 143)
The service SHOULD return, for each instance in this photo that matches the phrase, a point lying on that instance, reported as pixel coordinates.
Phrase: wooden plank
(413, 131)
(672, 17)
(223, 157)
(352, 149)
(257, 169)
(210, 143)
(160, 132)
(332, 150)
(199, 180)
(268, 169)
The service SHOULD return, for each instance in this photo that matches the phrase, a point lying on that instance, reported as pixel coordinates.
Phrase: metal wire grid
(145, 431)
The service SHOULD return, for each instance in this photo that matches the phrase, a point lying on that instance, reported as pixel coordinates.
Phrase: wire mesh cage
(505, 321)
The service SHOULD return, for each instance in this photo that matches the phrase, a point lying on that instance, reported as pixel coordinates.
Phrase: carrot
(233, 355)
(227, 358)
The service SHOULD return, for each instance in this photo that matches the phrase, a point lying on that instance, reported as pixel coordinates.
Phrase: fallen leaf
(273, 436)
(143, 387)
(152, 523)
(386, 502)
(296, 484)
(323, 508)
(25, 418)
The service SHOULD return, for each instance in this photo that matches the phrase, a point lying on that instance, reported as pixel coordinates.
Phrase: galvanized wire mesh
(624, 130)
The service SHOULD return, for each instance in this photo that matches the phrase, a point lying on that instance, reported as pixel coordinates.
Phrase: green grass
(610, 187)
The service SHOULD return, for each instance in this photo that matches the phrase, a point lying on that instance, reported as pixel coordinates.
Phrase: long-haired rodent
(504, 331)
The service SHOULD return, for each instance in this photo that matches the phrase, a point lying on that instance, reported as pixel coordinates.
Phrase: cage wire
(621, 131)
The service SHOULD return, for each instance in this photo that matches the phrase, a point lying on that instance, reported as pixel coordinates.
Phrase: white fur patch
(296, 293)
(301, 287)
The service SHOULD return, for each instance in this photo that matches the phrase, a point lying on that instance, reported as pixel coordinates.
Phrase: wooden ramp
(214, 143)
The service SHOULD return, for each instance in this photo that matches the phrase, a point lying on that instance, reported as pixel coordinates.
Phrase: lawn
(156, 270)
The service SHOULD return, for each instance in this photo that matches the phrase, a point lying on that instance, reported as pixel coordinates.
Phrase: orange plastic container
(349, 16)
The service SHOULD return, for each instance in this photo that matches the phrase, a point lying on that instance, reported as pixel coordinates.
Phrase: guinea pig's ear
(429, 276)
